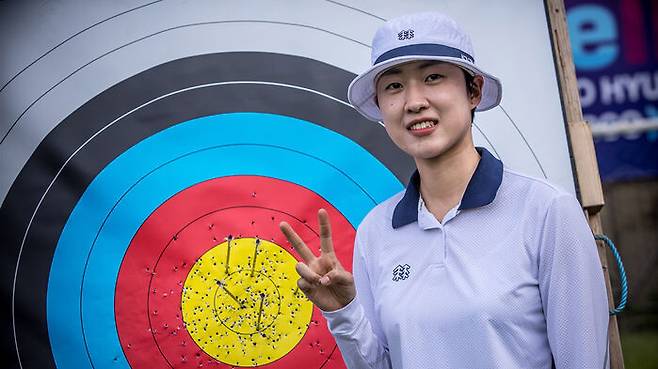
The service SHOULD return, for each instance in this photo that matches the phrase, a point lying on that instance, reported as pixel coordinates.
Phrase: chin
(428, 156)
(425, 154)
(425, 150)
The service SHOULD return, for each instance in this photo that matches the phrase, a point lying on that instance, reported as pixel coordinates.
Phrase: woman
(473, 265)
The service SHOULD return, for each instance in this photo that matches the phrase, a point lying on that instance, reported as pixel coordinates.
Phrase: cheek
(391, 132)
(459, 107)
(395, 134)
(387, 109)
(389, 106)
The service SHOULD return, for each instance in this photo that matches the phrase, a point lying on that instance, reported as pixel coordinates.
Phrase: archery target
(137, 136)
(241, 151)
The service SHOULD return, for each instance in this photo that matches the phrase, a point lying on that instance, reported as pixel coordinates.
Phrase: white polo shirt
(510, 279)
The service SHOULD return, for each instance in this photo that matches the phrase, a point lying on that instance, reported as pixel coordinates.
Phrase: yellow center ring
(241, 304)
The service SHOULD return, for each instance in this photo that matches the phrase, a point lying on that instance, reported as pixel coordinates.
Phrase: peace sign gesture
(323, 279)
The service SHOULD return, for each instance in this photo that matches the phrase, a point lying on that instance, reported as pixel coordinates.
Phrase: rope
(622, 273)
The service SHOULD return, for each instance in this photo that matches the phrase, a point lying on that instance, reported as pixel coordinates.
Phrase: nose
(416, 101)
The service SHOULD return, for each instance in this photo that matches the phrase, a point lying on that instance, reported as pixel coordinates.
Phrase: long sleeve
(572, 288)
(355, 327)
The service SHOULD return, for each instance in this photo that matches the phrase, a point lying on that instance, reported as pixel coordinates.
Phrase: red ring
(186, 226)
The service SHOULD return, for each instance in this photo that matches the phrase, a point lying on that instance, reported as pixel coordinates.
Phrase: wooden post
(582, 148)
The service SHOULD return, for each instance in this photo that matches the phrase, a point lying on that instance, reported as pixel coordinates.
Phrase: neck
(444, 178)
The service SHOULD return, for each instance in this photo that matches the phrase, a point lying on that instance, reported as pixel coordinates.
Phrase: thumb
(337, 276)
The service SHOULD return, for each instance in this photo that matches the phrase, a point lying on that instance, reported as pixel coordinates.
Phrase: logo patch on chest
(401, 272)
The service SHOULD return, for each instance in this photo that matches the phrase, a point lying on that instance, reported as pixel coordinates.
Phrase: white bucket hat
(422, 36)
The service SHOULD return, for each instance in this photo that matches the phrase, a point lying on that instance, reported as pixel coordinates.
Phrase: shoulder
(379, 219)
(541, 204)
(532, 190)
(382, 213)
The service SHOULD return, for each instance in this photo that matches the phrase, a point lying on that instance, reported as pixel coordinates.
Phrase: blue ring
(130, 188)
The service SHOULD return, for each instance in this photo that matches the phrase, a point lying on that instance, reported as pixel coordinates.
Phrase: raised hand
(323, 279)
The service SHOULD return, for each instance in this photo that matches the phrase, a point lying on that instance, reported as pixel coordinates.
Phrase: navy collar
(480, 191)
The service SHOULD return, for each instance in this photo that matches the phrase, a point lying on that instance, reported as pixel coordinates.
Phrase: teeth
(423, 125)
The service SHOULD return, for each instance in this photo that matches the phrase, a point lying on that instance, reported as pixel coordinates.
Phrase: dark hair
(470, 89)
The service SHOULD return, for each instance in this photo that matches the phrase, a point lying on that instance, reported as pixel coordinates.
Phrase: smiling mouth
(422, 125)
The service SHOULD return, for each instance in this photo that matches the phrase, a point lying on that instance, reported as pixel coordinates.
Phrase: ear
(476, 94)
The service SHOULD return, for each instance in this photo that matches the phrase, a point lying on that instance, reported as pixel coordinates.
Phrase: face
(426, 107)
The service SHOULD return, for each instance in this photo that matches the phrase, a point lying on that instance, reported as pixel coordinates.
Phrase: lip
(423, 131)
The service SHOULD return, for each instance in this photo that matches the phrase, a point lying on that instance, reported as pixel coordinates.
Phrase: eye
(433, 77)
(393, 86)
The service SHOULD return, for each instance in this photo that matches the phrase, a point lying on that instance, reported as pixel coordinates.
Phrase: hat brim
(361, 92)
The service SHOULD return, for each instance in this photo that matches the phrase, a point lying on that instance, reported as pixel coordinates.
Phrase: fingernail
(324, 280)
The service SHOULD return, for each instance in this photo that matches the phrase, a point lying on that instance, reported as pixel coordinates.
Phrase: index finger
(326, 243)
(296, 242)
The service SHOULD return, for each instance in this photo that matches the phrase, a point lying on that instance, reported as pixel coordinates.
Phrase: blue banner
(615, 50)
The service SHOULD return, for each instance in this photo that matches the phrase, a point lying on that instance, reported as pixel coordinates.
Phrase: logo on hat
(406, 34)
(467, 58)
